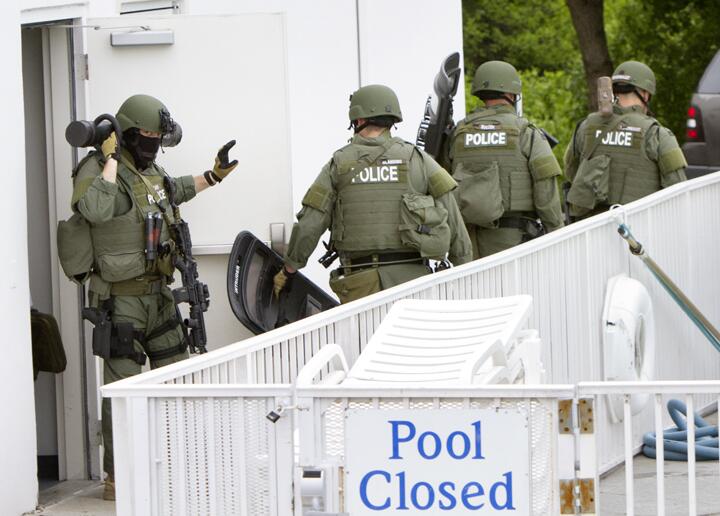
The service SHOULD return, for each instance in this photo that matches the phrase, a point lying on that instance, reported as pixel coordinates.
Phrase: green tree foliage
(675, 38)
(539, 40)
(528, 33)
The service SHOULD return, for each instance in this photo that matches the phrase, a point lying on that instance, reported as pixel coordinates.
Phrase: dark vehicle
(702, 136)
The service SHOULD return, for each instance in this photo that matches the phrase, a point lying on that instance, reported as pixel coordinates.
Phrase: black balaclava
(142, 148)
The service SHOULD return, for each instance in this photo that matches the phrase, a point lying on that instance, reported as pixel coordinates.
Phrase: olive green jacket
(659, 142)
(313, 222)
(99, 201)
(533, 148)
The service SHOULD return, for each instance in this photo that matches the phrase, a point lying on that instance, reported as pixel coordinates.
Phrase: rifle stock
(436, 126)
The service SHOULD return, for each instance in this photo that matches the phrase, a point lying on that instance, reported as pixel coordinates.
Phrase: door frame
(76, 387)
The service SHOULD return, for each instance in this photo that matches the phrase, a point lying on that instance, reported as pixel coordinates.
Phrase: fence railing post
(132, 455)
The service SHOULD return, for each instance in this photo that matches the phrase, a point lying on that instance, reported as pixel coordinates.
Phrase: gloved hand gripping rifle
(192, 291)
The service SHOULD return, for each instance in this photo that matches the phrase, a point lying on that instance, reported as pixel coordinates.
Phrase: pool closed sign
(437, 462)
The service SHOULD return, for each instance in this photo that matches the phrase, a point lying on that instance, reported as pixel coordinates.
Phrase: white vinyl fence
(202, 450)
(566, 272)
(688, 392)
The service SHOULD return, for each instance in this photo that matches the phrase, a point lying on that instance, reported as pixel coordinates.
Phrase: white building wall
(18, 482)
(402, 45)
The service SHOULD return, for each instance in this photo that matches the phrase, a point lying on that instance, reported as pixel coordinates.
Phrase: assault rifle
(192, 291)
(435, 126)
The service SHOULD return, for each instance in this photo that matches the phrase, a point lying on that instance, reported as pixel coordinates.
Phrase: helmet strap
(512, 99)
(645, 103)
(357, 128)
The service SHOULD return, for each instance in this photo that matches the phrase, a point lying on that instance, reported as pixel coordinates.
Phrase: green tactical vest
(369, 194)
(631, 173)
(488, 143)
(119, 244)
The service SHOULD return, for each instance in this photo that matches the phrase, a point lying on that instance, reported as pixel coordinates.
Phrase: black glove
(222, 164)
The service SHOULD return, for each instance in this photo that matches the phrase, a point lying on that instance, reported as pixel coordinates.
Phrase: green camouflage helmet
(143, 112)
(637, 74)
(496, 76)
(374, 100)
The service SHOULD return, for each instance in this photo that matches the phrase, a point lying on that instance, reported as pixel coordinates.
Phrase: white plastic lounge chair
(430, 342)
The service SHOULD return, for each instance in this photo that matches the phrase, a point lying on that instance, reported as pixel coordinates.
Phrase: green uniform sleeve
(313, 220)
(545, 170)
(185, 189)
(460, 246)
(571, 158)
(435, 181)
(438, 180)
(663, 148)
(93, 197)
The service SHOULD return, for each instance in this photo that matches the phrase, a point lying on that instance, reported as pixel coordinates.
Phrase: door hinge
(565, 419)
(585, 416)
(580, 493)
(82, 70)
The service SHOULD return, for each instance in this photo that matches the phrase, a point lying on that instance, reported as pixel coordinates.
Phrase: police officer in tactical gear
(387, 203)
(619, 157)
(115, 191)
(506, 171)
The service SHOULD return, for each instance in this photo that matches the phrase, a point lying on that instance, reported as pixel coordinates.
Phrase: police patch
(378, 174)
(616, 138)
(486, 139)
(161, 195)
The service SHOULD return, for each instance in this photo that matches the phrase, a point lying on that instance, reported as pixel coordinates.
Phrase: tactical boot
(109, 492)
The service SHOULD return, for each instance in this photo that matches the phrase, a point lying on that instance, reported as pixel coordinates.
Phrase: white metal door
(223, 78)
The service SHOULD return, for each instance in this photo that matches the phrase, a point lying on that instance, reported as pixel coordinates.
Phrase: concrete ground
(707, 487)
(612, 489)
(75, 498)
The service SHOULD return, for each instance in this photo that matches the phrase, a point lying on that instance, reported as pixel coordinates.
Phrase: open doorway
(39, 254)
(66, 420)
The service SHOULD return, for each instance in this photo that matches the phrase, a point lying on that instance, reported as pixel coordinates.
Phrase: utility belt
(116, 339)
(140, 286)
(374, 260)
(531, 227)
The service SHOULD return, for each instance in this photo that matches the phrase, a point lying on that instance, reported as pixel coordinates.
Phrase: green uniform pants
(145, 313)
(364, 282)
(490, 241)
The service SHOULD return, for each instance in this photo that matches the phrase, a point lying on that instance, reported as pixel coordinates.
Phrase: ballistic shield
(251, 268)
